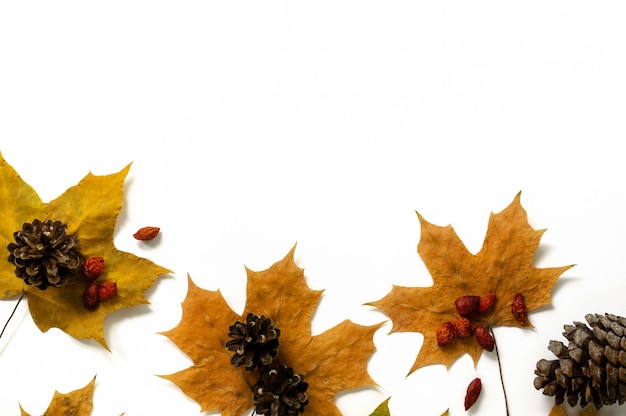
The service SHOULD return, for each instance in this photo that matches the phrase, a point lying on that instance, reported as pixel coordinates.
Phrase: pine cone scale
(558, 348)
(613, 339)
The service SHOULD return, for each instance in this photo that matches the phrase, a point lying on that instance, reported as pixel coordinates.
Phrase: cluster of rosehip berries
(462, 326)
(96, 292)
(93, 267)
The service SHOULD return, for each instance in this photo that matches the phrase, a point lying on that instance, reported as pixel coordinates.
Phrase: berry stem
(12, 313)
(495, 344)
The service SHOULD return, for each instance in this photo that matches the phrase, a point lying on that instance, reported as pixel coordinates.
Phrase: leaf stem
(12, 313)
(506, 402)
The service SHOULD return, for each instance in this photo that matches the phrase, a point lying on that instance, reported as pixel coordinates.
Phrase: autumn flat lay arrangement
(61, 258)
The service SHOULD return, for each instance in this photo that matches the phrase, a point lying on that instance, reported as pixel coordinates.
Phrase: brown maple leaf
(503, 266)
(90, 210)
(330, 362)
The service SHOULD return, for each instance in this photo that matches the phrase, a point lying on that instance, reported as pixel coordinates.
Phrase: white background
(253, 126)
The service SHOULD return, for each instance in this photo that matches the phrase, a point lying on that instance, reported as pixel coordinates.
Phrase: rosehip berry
(90, 296)
(462, 326)
(146, 233)
(473, 391)
(107, 291)
(445, 333)
(466, 305)
(486, 302)
(518, 307)
(484, 337)
(92, 268)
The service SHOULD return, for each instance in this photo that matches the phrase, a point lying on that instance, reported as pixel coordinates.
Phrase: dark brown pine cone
(592, 367)
(44, 254)
(280, 392)
(255, 343)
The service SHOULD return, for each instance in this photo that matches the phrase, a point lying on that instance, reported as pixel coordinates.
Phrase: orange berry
(92, 268)
(445, 333)
(107, 291)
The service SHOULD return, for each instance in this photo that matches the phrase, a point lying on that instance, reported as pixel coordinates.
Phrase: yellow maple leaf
(330, 362)
(559, 410)
(90, 210)
(503, 266)
(382, 409)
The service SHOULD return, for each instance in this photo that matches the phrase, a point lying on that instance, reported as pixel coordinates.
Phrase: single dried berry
(146, 233)
(92, 268)
(255, 343)
(280, 392)
(90, 296)
(445, 333)
(486, 302)
(484, 337)
(518, 307)
(462, 326)
(44, 254)
(107, 291)
(473, 391)
(466, 305)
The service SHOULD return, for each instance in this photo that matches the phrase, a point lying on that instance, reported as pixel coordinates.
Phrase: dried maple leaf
(90, 210)
(78, 402)
(330, 362)
(502, 266)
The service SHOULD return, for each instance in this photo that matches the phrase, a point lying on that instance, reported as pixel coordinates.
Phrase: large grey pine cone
(592, 367)
(44, 254)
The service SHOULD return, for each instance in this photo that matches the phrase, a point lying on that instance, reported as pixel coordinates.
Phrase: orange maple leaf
(331, 362)
(503, 266)
(78, 402)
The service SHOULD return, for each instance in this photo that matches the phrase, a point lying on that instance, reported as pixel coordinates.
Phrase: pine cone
(593, 365)
(255, 343)
(44, 254)
(280, 392)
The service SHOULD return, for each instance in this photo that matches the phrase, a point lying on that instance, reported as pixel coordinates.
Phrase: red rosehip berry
(518, 307)
(92, 268)
(484, 337)
(90, 296)
(466, 305)
(107, 291)
(445, 333)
